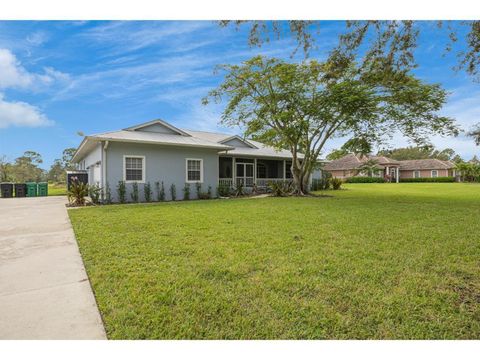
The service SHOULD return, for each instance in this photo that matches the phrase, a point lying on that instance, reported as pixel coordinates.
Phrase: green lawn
(57, 189)
(375, 261)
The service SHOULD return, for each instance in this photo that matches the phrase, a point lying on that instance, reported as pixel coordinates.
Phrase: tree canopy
(300, 106)
(419, 152)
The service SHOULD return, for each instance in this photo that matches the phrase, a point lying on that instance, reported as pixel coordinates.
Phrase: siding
(163, 163)
(91, 164)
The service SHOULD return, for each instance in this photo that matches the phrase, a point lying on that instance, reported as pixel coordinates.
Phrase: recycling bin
(31, 189)
(6, 189)
(42, 189)
(20, 190)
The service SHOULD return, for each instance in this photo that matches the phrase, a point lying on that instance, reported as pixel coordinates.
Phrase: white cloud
(18, 113)
(37, 38)
(14, 75)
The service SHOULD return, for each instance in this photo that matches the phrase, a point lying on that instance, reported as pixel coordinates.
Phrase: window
(434, 173)
(194, 170)
(416, 174)
(134, 168)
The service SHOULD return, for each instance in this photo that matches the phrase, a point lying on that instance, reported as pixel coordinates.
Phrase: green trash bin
(31, 189)
(42, 189)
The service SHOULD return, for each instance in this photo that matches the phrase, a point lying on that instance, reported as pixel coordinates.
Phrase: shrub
(198, 187)
(77, 193)
(160, 191)
(239, 190)
(134, 193)
(186, 192)
(223, 190)
(365, 179)
(320, 184)
(336, 183)
(173, 192)
(94, 192)
(443, 179)
(122, 192)
(147, 191)
(108, 194)
(281, 188)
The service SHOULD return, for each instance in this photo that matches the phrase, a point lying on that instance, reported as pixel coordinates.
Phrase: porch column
(255, 171)
(234, 172)
(398, 175)
(284, 170)
(387, 170)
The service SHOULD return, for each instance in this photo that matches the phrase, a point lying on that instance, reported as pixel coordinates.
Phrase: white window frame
(415, 174)
(144, 165)
(436, 173)
(186, 171)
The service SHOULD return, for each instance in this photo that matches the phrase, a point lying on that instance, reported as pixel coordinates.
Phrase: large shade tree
(300, 106)
(384, 44)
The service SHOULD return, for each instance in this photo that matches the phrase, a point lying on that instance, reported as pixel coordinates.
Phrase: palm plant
(77, 193)
(369, 167)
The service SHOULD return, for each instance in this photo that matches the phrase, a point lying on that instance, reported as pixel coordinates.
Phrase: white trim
(161, 122)
(186, 171)
(144, 165)
(431, 173)
(419, 174)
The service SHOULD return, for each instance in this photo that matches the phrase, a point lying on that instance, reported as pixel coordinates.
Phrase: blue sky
(58, 78)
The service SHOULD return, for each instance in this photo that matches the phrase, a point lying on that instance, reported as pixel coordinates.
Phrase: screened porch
(250, 171)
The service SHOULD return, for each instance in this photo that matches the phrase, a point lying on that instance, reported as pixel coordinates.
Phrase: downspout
(104, 168)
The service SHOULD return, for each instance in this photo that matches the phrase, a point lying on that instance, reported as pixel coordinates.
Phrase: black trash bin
(20, 190)
(6, 189)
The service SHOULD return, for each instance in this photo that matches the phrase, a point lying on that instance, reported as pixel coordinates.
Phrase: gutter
(104, 167)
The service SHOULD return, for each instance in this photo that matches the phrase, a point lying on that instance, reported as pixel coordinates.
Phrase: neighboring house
(158, 151)
(349, 165)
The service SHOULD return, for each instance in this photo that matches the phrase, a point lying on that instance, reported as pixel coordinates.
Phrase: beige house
(394, 170)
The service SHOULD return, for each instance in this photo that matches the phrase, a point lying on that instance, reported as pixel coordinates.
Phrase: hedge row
(443, 179)
(365, 179)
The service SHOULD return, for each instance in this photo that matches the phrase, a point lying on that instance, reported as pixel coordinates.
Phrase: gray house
(158, 151)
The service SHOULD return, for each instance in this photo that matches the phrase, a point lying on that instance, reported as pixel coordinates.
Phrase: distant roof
(352, 161)
(425, 164)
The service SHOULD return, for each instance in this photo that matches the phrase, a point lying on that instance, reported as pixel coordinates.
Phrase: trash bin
(6, 189)
(42, 189)
(31, 189)
(20, 190)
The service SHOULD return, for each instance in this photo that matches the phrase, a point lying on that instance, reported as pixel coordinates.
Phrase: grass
(375, 261)
(57, 189)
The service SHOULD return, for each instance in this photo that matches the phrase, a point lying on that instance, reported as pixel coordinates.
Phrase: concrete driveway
(44, 289)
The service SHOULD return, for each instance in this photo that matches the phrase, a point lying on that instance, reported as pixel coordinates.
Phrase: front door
(245, 174)
(393, 174)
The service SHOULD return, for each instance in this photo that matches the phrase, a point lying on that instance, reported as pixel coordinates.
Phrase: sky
(60, 78)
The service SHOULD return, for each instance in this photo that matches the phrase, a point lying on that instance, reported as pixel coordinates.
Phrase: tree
(369, 167)
(300, 107)
(67, 157)
(5, 170)
(336, 154)
(384, 45)
(57, 172)
(26, 167)
(418, 152)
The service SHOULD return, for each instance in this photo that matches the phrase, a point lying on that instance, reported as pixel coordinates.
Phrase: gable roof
(180, 137)
(157, 122)
(425, 164)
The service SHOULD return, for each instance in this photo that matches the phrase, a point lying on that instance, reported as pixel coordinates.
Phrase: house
(157, 151)
(350, 165)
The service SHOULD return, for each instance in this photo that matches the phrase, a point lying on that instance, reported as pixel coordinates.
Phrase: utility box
(31, 189)
(42, 189)
(79, 175)
(6, 190)
(20, 190)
